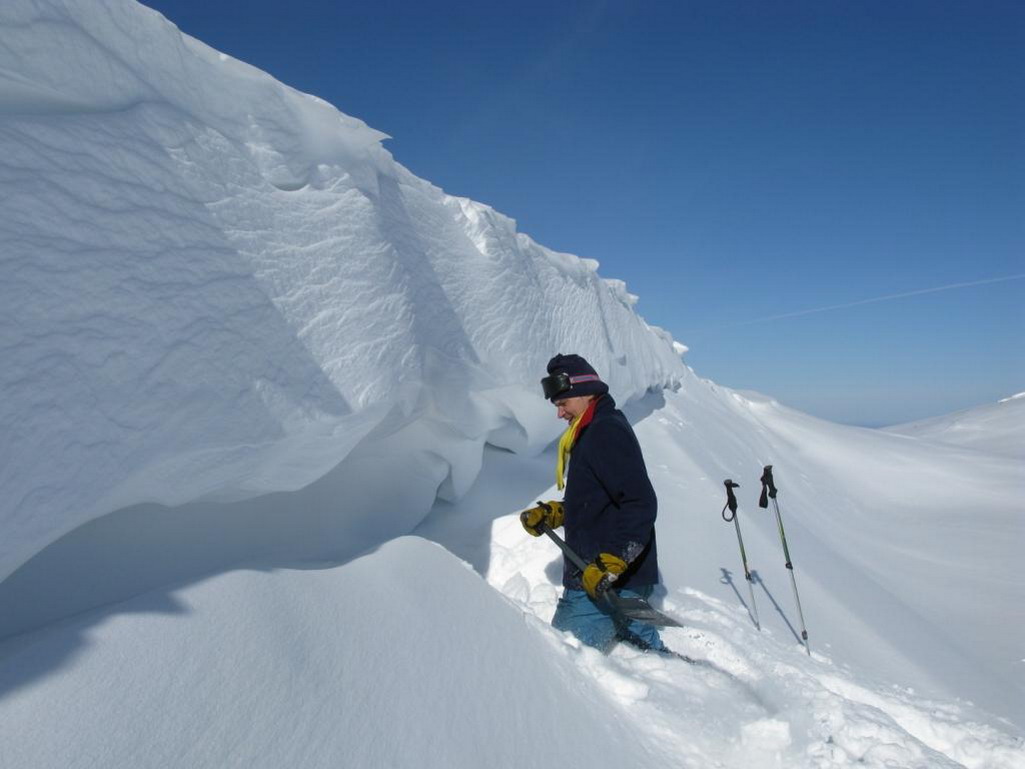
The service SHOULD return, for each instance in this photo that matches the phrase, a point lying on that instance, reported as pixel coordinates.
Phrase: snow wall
(216, 288)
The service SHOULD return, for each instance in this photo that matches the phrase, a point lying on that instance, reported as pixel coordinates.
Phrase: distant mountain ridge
(997, 428)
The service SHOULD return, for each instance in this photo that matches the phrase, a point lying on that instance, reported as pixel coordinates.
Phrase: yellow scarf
(565, 447)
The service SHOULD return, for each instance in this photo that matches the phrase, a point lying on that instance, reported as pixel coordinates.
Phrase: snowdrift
(216, 287)
(357, 665)
(400, 679)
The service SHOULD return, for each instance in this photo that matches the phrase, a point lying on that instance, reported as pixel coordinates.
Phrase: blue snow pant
(593, 624)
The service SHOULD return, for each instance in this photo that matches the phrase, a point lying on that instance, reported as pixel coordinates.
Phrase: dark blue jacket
(609, 503)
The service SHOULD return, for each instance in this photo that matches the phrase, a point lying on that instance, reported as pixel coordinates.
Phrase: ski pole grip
(731, 500)
(768, 487)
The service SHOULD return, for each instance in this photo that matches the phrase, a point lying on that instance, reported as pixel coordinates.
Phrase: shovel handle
(566, 549)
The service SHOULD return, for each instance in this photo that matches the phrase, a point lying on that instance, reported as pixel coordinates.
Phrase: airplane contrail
(886, 298)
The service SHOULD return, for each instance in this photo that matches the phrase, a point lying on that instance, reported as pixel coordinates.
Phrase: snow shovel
(623, 608)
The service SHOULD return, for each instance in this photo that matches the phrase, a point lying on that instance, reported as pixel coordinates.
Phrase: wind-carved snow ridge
(216, 288)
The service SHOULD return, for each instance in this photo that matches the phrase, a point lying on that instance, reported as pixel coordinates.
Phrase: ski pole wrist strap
(731, 500)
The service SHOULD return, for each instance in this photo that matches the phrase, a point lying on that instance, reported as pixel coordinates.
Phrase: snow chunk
(763, 742)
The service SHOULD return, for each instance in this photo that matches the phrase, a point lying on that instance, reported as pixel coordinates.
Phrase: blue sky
(731, 161)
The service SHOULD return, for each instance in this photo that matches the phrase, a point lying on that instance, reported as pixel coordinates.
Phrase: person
(608, 510)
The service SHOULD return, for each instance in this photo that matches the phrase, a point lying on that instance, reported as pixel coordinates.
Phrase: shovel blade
(640, 610)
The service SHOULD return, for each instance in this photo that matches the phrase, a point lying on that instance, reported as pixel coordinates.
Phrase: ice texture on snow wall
(215, 287)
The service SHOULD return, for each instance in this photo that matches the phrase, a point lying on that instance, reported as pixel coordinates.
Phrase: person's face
(571, 408)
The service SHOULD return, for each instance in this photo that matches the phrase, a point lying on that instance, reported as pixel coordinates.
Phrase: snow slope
(997, 428)
(906, 555)
(247, 355)
(403, 655)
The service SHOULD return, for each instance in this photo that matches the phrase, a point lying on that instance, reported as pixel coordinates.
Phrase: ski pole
(625, 608)
(769, 492)
(731, 503)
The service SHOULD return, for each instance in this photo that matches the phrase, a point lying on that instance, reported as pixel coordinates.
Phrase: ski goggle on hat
(561, 382)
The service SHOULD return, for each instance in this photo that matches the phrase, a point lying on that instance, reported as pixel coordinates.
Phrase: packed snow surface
(271, 409)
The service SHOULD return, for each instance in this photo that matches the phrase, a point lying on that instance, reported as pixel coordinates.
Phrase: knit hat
(570, 376)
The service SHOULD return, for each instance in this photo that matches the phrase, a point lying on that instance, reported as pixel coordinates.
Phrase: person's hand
(599, 576)
(548, 513)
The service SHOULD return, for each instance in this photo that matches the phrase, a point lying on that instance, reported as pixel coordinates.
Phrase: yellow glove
(548, 513)
(600, 575)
